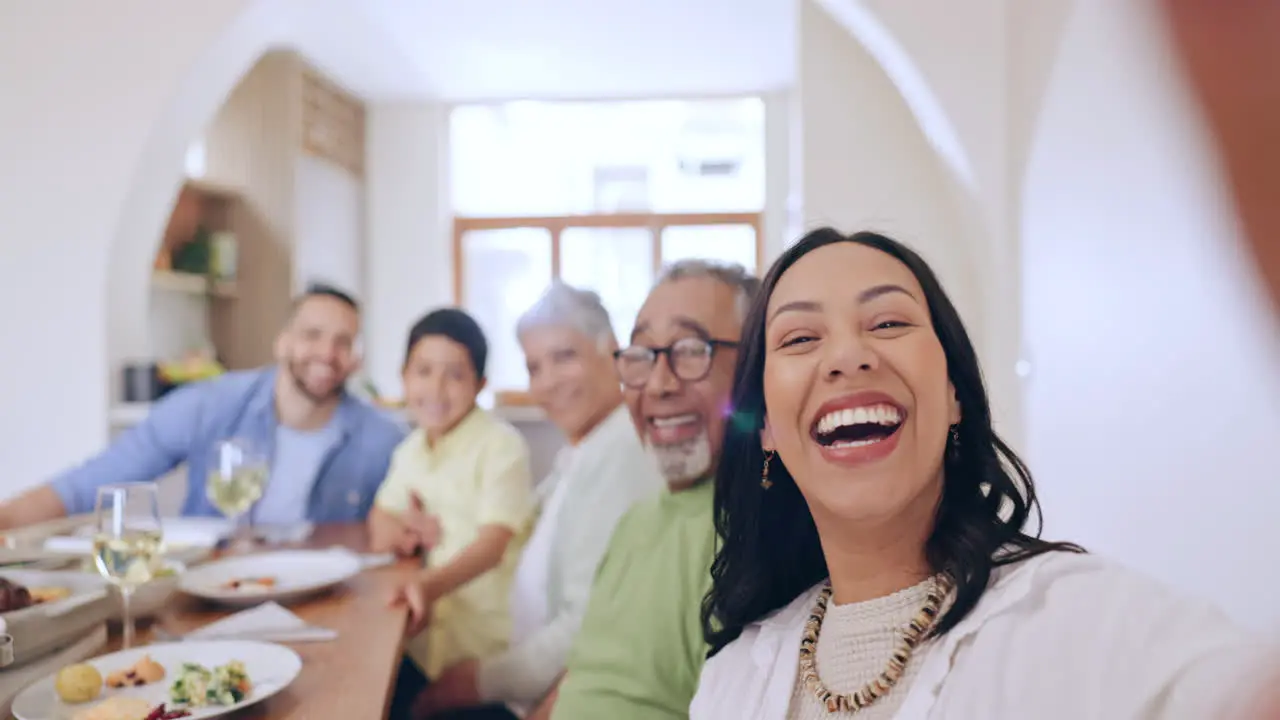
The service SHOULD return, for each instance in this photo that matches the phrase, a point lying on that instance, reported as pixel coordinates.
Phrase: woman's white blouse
(1060, 636)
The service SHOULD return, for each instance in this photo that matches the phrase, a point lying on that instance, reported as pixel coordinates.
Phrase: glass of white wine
(127, 541)
(237, 478)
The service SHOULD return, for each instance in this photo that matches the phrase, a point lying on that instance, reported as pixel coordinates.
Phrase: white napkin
(268, 621)
(193, 532)
(197, 530)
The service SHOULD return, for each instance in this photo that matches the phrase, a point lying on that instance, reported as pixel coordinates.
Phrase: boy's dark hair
(456, 325)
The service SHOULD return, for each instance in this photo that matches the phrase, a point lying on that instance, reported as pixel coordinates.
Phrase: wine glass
(237, 478)
(127, 541)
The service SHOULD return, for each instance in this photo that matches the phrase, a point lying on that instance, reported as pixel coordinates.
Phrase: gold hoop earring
(765, 482)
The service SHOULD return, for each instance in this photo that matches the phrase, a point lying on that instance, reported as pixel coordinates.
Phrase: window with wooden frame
(502, 265)
(601, 196)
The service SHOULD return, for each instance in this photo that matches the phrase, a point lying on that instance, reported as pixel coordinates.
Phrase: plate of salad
(162, 682)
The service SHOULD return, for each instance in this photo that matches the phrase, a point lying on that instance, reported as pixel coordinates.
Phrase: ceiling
(475, 50)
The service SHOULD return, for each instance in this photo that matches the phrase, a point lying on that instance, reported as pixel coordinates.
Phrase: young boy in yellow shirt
(460, 488)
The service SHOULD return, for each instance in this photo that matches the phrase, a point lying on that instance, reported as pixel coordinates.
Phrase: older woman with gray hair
(569, 344)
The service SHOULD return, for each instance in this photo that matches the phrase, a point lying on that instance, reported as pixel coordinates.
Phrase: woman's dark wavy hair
(769, 551)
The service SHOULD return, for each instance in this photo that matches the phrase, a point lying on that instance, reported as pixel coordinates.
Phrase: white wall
(866, 164)
(77, 117)
(1154, 403)
(98, 115)
(783, 210)
(1153, 389)
(973, 74)
(409, 255)
(329, 229)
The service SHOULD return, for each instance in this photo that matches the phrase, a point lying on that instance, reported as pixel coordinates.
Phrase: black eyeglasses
(689, 359)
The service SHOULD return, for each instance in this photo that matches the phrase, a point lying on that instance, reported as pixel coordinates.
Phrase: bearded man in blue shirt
(328, 451)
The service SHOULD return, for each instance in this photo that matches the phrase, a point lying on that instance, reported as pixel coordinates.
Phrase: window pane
(727, 243)
(504, 273)
(617, 263)
(564, 158)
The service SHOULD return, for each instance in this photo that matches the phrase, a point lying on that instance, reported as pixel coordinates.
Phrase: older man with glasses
(640, 649)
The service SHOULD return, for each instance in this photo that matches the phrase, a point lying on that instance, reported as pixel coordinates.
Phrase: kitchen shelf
(192, 284)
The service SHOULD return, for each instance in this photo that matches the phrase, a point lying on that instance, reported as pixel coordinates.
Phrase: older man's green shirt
(641, 649)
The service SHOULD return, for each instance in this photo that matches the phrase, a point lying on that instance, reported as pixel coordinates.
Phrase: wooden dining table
(351, 676)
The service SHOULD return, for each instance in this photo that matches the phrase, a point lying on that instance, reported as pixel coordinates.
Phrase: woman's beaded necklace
(913, 633)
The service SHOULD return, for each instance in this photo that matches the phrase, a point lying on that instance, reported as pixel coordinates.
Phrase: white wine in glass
(128, 541)
(236, 491)
(236, 481)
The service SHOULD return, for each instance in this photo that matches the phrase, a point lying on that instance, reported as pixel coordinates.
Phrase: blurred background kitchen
(173, 173)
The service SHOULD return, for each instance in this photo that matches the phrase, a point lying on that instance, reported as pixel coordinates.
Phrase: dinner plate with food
(283, 576)
(162, 682)
(46, 592)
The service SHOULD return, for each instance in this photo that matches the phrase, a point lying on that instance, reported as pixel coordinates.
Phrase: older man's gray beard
(683, 463)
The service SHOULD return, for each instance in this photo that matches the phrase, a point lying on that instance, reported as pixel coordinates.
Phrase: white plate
(298, 574)
(271, 668)
(84, 587)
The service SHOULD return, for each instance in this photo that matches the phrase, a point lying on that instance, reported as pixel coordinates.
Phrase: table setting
(269, 621)
(132, 627)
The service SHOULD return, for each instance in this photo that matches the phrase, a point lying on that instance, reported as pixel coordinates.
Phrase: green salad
(198, 686)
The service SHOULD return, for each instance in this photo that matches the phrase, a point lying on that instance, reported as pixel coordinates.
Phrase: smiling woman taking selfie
(875, 558)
